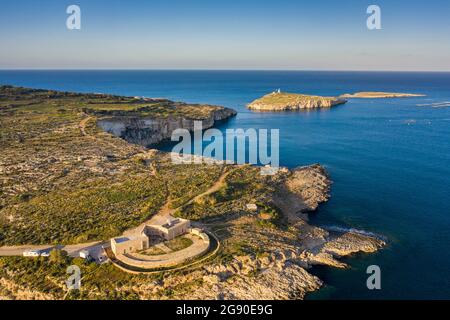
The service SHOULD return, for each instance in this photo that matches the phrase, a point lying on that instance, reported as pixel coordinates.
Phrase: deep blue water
(388, 158)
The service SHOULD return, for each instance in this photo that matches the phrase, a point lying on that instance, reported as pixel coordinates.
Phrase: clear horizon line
(219, 69)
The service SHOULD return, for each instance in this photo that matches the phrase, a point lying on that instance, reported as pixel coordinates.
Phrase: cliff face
(278, 101)
(149, 130)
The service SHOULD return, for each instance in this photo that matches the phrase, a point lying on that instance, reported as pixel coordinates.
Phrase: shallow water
(388, 158)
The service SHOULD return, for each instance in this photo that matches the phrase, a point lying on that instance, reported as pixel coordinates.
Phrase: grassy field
(63, 180)
(243, 185)
(178, 244)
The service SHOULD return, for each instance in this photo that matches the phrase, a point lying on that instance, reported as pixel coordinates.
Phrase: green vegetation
(238, 248)
(269, 216)
(152, 108)
(46, 276)
(63, 180)
(153, 251)
(284, 98)
(293, 101)
(95, 210)
(59, 257)
(188, 180)
(243, 185)
(178, 243)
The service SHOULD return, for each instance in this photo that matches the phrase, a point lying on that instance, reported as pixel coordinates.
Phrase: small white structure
(252, 207)
(85, 254)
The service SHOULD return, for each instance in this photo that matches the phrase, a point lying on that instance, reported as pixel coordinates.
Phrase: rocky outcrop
(349, 243)
(146, 131)
(302, 190)
(277, 276)
(280, 101)
(311, 184)
(378, 95)
(281, 274)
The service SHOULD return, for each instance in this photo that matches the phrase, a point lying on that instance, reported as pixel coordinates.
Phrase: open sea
(389, 158)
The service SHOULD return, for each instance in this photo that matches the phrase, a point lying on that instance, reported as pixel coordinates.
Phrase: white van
(31, 253)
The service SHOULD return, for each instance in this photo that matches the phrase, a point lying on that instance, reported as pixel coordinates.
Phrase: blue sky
(216, 34)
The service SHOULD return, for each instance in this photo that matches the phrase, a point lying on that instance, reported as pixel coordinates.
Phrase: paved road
(95, 248)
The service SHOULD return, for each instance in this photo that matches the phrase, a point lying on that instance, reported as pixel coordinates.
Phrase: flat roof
(174, 223)
(121, 240)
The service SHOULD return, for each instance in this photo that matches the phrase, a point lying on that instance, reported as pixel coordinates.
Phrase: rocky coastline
(265, 254)
(283, 272)
(379, 95)
(281, 101)
(146, 131)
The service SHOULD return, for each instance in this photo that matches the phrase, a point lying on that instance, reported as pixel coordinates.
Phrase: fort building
(150, 234)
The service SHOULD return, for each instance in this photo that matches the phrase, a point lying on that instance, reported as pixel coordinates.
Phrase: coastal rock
(280, 101)
(288, 282)
(379, 95)
(304, 189)
(349, 243)
(146, 131)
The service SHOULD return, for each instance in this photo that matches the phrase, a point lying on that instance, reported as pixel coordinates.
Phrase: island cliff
(148, 130)
(380, 95)
(281, 101)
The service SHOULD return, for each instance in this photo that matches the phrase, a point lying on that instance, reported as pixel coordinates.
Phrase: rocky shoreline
(146, 131)
(265, 254)
(283, 271)
(280, 101)
(379, 95)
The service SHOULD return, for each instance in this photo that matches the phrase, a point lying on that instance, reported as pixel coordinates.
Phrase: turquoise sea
(389, 158)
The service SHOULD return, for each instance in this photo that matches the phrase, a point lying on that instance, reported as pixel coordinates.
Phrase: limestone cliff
(148, 130)
(280, 101)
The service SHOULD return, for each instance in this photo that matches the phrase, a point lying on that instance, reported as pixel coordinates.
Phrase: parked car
(31, 253)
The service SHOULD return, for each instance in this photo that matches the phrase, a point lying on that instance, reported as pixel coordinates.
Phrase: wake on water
(353, 230)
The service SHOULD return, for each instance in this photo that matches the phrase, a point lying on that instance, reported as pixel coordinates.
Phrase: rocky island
(65, 180)
(281, 101)
(380, 95)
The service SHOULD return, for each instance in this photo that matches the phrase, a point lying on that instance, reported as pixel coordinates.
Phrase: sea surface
(389, 158)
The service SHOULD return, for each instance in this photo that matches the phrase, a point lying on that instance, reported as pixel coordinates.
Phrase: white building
(126, 245)
(170, 230)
